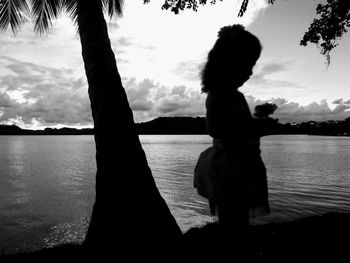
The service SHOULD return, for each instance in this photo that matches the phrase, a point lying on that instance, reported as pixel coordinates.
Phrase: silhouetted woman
(238, 180)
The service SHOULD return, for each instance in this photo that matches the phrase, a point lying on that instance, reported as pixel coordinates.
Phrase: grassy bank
(316, 237)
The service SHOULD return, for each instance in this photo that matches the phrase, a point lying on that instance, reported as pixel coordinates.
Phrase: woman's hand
(266, 126)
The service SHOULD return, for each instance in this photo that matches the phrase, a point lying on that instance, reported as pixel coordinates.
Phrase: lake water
(47, 182)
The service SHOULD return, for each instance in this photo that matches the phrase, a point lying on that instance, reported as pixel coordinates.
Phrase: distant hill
(193, 125)
(173, 125)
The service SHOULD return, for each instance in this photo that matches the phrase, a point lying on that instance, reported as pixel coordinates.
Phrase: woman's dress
(232, 172)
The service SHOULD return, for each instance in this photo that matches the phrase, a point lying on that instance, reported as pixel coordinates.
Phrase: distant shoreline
(284, 134)
(192, 126)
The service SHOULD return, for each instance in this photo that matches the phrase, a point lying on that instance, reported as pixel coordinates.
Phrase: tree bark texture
(128, 206)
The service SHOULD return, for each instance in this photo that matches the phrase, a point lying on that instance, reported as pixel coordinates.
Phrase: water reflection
(47, 182)
(172, 163)
(68, 232)
(308, 175)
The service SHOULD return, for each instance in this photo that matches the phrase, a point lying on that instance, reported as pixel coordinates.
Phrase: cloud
(341, 102)
(59, 48)
(124, 42)
(338, 101)
(154, 100)
(138, 93)
(189, 70)
(6, 102)
(187, 104)
(181, 102)
(33, 95)
(268, 81)
(289, 111)
(37, 94)
(148, 100)
(268, 68)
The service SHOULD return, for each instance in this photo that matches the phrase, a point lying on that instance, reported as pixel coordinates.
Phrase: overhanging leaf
(12, 13)
(44, 11)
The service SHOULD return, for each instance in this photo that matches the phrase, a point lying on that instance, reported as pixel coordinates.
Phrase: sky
(160, 55)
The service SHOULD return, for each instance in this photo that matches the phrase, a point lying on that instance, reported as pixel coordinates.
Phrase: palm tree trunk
(128, 206)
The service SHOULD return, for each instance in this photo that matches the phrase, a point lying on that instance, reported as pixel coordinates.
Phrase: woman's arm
(230, 118)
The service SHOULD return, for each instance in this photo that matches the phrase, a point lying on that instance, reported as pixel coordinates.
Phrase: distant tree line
(173, 125)
(331, 128)
(15, 130)
(194, 125)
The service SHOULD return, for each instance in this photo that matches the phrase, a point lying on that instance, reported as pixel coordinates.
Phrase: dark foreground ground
(312, 238)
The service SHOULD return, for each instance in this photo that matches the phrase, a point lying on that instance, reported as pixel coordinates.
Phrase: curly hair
(234, 46)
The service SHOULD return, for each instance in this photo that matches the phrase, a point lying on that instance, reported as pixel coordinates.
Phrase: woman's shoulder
(230, 103)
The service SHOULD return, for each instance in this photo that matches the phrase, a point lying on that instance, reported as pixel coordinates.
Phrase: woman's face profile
(242, 72)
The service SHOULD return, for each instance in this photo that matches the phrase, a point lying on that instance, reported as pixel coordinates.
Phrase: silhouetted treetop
(176, 6)
(324, 31)
(264, 110)
(329, 27)
(13, 13)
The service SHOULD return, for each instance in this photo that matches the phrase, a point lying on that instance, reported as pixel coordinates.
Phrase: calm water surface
(47, 182)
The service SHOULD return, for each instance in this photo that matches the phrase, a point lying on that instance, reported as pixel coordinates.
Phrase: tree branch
(326, 30)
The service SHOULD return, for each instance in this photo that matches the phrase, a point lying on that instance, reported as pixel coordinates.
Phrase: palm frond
(113, 7)
(44, 11)
(12, 12)
(71, 8)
